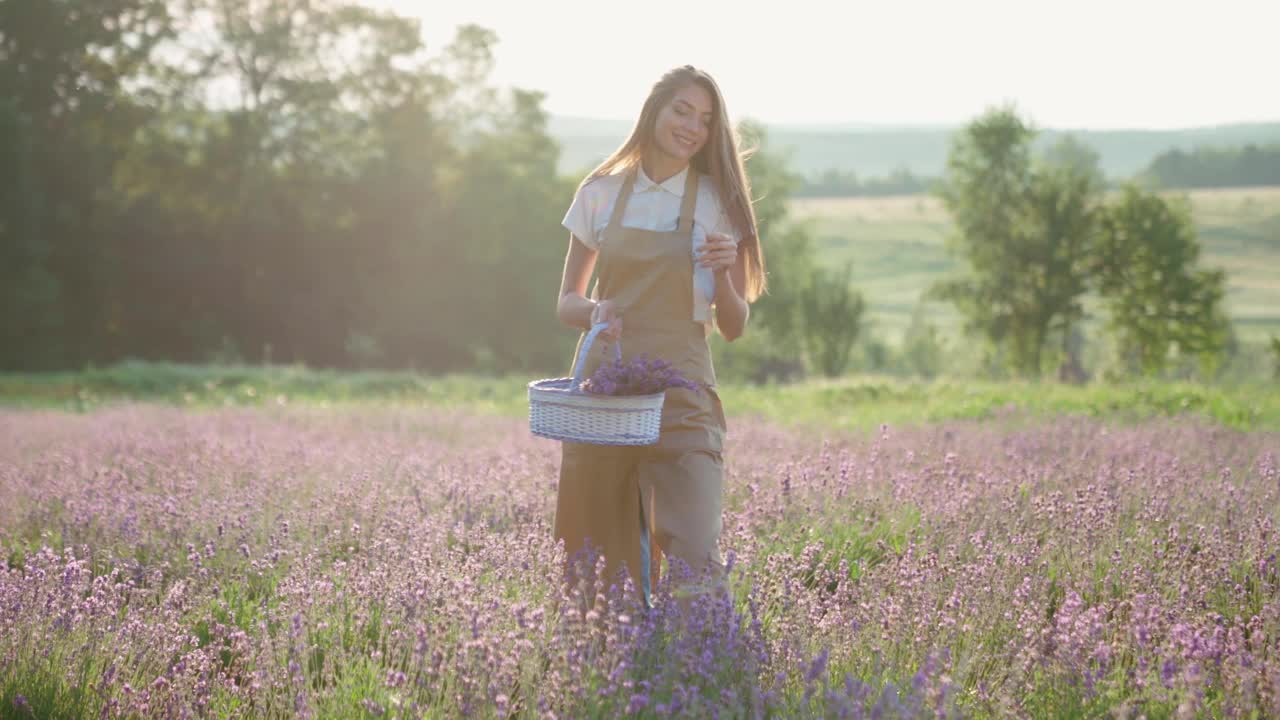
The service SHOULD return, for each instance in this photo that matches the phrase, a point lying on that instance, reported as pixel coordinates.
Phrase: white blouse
(653, 206)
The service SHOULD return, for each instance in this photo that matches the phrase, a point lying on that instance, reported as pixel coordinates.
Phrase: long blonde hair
(720, 159)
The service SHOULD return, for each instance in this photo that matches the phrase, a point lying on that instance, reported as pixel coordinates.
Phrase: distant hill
(876, 151)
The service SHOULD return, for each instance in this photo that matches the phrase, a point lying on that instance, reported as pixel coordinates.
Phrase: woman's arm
(720, 253)
(573, 308)
(732, 309)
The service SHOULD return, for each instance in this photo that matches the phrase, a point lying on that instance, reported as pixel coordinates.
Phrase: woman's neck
(660, 167)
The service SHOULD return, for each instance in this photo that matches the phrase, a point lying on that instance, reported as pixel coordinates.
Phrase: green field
(897, 248)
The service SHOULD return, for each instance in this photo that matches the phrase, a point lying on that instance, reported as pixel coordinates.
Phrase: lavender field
(386, 561)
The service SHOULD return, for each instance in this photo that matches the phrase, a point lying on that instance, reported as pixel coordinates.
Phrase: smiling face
(684, 124)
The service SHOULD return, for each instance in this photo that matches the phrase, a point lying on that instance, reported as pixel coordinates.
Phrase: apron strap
(690, 201)
(620, 205)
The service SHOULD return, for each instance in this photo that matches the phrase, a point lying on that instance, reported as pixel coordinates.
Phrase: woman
(679, 176)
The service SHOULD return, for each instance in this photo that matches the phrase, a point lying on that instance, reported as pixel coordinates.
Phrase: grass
(897, 246)
(855, 403)
(226, 385)
(863, 403)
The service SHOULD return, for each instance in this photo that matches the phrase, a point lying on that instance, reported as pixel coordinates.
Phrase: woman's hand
(606, 311)
(719, 252)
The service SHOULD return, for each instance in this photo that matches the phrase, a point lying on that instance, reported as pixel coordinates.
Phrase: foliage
(299, 181)
(831, 311)
(302, 181)
(294, 175)
(1037, 237)
(897, 246)
(809, 313)
(66, 118)
(1158, 301)
(756, 357)
(1205, 167)
(791, 262)
(1024, 230)
(30, 308)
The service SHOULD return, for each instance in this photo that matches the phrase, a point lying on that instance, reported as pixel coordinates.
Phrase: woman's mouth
(685, 142)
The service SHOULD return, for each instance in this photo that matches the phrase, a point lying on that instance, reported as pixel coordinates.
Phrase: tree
(1066, 190)
(299, 177)
(29, 311)
(73, 83)
(831, 313)
(1024, 229)
(1157, 299)
(287, 161)
(1250, 165)
(509, 210)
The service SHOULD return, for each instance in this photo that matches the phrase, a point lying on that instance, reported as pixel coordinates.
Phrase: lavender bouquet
(638, 376)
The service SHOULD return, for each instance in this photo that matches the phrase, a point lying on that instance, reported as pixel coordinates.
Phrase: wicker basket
(560, 410)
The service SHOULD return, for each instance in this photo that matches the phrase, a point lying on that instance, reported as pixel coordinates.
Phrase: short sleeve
(581, 217)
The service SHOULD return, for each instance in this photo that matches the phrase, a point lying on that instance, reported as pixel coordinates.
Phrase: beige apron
(672, 488)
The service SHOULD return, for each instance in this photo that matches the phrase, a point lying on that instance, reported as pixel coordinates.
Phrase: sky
(1084, 64)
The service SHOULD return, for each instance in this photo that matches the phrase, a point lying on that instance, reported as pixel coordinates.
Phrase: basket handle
(586, 349)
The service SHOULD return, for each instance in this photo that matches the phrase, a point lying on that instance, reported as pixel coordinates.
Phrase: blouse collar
(673, 184)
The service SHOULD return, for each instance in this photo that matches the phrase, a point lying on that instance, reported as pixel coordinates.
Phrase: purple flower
(1089, 559)
(639, 701)
(817, 667)
(638, 376)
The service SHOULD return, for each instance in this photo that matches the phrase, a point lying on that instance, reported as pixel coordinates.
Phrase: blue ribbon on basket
(645, 557)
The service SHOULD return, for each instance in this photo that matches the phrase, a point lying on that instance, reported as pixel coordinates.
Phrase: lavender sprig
(638, 376)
